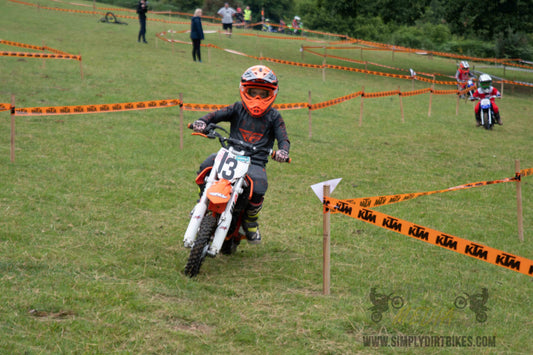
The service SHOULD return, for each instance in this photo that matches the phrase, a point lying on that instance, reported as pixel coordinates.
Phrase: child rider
(486, 90)
(253, 120)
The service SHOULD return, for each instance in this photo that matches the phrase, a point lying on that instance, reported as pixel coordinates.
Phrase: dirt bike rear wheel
(201, 244)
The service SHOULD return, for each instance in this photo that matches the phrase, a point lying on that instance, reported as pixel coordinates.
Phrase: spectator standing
(142, 9)
(248, 16)
(197, 34)
(227, 14)
(239, 18)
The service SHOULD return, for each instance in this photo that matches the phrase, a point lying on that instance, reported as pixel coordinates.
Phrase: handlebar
(472, 98)
(210, 132)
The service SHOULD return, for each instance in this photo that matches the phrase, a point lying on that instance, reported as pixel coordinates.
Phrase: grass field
(93, 210)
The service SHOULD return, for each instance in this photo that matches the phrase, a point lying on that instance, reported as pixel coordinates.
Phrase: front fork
(197, 216)
(198, 213)
(224, 220)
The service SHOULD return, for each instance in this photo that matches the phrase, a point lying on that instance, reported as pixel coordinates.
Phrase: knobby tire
(486, 122)
(199, 249)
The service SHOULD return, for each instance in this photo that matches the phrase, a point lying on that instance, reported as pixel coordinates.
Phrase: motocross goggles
(255, 91)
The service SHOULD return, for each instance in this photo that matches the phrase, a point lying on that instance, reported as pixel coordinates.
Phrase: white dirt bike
(216, 220)
(486, 112)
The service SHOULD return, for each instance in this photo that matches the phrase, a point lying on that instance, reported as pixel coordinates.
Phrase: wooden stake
(324, 65)
(361, 109)
(325, 247)
(181, 121)
(431, 97)
(324, 70)
(12, 128)
(44, 60)
(81, 68)
(519, 202)
(309, 101)
(401, 103)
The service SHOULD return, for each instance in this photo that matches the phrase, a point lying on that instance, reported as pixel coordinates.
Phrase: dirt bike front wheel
(486, 122)
(201, 244)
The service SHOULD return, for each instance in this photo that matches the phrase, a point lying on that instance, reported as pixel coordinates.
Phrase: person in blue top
(197, 34)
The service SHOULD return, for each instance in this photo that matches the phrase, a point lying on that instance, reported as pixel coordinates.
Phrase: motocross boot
(478, 119)
(498, 118)
(250, 225)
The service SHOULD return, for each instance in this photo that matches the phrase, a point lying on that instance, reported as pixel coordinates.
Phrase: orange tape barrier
(358, 209)
(415, 92)
(82, 109)
(335, 101)
(39, 55)
(143, 105)
(202, 107)
(293, 106)
(459, 245)
(376, 201)
(5, 107)
(128, 106)
(57, 53)
(306, 49)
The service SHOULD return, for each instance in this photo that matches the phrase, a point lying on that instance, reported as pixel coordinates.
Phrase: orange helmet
(258, 89)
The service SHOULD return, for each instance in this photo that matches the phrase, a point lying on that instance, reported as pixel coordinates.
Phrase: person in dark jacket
(197, 34)
(253, 120)
(142, 9)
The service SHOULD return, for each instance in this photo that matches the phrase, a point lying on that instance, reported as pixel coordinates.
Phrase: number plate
(230, 166)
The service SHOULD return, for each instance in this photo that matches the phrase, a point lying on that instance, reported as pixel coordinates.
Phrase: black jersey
(260, 132)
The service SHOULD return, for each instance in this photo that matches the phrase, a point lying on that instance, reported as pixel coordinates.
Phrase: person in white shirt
(227, 14)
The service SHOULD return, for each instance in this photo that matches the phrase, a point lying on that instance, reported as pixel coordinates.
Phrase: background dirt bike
(216, 220)
(471, 87)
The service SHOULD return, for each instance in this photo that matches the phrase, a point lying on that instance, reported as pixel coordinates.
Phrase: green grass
(93, 210)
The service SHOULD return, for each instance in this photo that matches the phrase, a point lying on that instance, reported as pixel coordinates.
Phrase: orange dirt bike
(216, 220)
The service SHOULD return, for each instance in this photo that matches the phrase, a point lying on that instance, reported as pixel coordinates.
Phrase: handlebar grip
(288, 160)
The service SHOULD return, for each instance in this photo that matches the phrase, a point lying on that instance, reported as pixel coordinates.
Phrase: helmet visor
(485, 84)
(262, 93)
